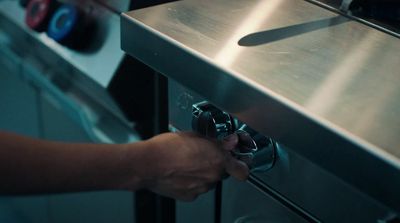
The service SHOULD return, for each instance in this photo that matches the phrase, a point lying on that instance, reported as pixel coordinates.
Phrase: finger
(202, 190)
(237, 169)
(230, 142)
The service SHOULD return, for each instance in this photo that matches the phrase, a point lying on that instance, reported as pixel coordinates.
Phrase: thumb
(237, 169)
(230, 142)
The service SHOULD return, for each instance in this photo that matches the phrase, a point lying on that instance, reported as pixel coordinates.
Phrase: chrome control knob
(256, 150)
(210, 121)
(246, 147)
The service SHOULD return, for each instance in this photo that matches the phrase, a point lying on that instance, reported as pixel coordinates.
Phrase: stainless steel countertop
(325, 86)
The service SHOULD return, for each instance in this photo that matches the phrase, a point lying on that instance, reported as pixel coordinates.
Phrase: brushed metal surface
(323, 85)
(307, 189)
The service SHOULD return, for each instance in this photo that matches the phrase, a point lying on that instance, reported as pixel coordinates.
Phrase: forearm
(179, 165)
(31, 166)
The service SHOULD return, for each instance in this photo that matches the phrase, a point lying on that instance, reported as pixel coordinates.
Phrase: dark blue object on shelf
(63, 23)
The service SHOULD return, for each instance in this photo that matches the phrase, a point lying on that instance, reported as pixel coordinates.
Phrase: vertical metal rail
(165, 209)
(150, 207)
(218, 203)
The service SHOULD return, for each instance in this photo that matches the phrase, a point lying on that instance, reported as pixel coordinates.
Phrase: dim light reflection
(329, 92)
(231, 50)
(366, 124)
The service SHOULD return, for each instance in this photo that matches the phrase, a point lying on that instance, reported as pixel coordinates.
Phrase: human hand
(179, 165)
(184, 165)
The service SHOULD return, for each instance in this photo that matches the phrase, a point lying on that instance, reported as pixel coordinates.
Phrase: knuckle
(188, 187)
(212, 176)
(216, 161)
(191, 186)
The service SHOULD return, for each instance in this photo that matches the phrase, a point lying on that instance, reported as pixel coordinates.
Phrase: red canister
(38, 14)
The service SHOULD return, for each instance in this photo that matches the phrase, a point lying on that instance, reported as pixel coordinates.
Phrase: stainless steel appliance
(318, 81)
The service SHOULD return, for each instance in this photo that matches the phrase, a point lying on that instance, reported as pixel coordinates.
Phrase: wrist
(134, 166)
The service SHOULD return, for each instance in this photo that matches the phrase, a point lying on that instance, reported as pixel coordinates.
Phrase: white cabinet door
(28, 110)
(19, 114)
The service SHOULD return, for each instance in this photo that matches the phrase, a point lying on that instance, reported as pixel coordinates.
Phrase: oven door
(245, 203)
(293, 190)
(230, 201)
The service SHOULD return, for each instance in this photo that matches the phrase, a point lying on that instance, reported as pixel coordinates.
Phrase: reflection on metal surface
(256, 150)
(263, 219)
(290, 69)
(390, 218)
(278, 88)
(345, 5)
(256, 17)
(332, 88)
